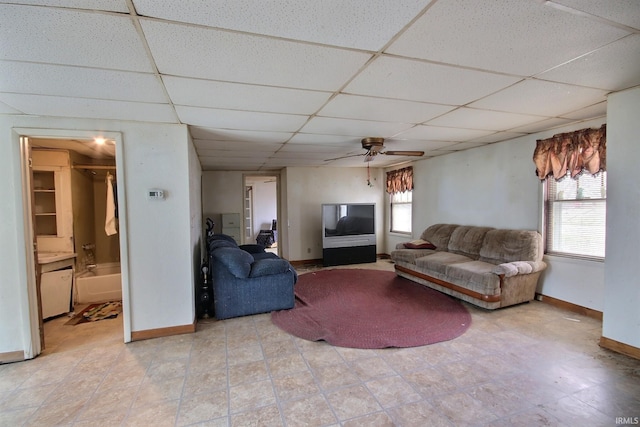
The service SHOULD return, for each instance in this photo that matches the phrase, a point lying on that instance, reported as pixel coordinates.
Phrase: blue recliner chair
(247, 280)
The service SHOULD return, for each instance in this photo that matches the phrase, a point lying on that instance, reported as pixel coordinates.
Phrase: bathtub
(102, 284)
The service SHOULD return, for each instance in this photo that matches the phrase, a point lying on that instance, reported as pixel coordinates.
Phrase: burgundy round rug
(370, 309)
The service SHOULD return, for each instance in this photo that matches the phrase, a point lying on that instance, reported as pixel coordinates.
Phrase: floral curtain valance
(400, 180)
(572, 152)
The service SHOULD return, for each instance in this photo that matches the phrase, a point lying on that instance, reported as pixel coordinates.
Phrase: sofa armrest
(514, 268)
(267, 267)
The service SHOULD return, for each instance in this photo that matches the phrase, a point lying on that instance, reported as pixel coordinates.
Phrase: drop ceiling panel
(626, 12)
(107, 5)
(198, 132)
(312, 138)
(536, 37)
(434, 133)
(613, 67)
(241, 120)
(236, 146)
(5, 109)
(330, 148)
(541, 98)
(42, 79)
(359, 128)
(57, 106)
(222, 55)
(542, 125)
(421, 81)
(471, 118)
(255, 155)
(360, 24)
(386, 110)
(61, 36)
(235, 96)
(593, 111)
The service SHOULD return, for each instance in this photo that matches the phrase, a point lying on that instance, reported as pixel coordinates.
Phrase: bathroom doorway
(261, 210)
(74, 204)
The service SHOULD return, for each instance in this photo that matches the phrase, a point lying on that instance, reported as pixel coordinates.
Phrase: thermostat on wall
(156, 194)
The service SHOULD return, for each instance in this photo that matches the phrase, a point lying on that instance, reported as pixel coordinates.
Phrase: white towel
(110, 220)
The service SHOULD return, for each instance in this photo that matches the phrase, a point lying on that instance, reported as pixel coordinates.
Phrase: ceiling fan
(374, 146)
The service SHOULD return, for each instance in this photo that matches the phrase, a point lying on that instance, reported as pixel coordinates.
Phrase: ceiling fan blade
(404, 153)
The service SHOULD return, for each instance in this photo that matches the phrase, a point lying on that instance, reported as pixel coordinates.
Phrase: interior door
(30, 213)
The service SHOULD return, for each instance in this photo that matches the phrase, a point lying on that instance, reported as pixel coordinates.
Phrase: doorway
(261, 211)
(65, 181)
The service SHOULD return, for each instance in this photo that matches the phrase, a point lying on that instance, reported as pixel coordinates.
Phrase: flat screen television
(348, 224)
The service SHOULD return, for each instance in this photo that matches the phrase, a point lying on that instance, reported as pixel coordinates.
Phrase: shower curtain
(110, 221)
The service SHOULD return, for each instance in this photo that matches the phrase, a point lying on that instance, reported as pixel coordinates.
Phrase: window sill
(573, 258)
(400, 233)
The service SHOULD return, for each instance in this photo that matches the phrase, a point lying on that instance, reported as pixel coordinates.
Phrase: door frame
(270, 174)
(31, 321)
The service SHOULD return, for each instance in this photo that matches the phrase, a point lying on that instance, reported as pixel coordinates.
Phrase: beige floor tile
(295, 386)
(203, 407)
(311, 411)
(393, 391)
(247, 397)
(352, 402)
(261, 417)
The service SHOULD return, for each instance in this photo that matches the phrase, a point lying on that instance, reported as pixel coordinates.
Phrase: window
(575, 213)
(401, 212)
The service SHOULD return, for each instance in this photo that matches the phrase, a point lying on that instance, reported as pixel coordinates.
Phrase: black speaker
(204, 296)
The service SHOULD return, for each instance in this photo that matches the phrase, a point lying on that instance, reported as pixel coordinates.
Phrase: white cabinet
(52, 200)
(231, 226)
(55, 291)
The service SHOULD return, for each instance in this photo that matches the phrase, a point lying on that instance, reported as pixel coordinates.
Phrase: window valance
(400, 180)
(572, 152)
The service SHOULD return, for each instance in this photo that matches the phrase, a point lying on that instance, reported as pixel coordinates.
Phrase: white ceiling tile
(61, 36)
(359, 24)
(522, 38)
(359, 128)
(597, 110)
(106, 5)
(421, 81)
(313, 155)
(222, 55)
(541, 98)
(613, 67)
(489, 139)
(236, 96)
(44, 79)
(382, 109)
(255, 154)
(471, 118)
(626, 12)
(90, 108)
(319, 148)
(199, 132)
(283, 163)
(240, 120)
(542, 125)
(434, 133)
(464, 145)
(236, 146)
(311, 138)
(5, 109)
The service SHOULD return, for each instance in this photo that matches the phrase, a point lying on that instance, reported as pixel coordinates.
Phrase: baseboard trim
(575, 308)
(11, 356)
(619, 347)
(163, 332)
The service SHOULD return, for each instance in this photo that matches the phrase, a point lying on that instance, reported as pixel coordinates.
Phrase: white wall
(496, 186)
(304, 190)
(621, 320)
(159, 234)
(309, 188)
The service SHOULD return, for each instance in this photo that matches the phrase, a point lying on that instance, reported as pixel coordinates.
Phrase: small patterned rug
(370, 309)
(95, 312)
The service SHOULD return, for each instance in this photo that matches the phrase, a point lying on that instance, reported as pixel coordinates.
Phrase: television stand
(348, 255)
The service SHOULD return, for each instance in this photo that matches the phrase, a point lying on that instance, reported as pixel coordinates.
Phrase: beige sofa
(488, 267)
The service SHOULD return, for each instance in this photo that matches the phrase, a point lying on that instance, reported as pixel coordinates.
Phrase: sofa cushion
(419, 244)
(215, 244)
(439, 261)
(237, 261)
(467, 240)
(409, 255)
(265, 267)
(439, 235)
(477, 276)
(511, 245)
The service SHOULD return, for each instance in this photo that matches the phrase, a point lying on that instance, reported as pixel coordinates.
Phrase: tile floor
(527, 365)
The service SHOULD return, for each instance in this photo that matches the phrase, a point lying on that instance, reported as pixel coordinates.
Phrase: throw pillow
(419, 244)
